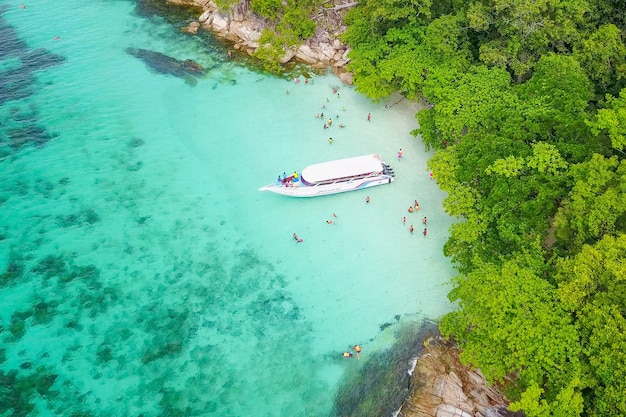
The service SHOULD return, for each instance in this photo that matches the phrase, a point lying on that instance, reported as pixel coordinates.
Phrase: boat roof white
(342, 168)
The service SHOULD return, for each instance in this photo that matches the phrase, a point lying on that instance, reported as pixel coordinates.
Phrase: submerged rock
(164, 64)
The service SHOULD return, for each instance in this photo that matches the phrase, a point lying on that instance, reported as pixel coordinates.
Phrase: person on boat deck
(295, 176)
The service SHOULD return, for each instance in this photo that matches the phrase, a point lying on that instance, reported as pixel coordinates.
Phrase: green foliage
(510, 320)
(387, 54)
(529, 173)
(291, 24)
(226, 5)
(592, 285)
(596, 205)
(612, 120)
(269, 50)
(517, 34)
(560, 89)
(267, 8)
(603, 56)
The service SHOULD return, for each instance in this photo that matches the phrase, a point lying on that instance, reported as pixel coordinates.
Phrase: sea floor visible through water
(141, 270)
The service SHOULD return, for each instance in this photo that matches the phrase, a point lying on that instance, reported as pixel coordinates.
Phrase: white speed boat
(334, 177)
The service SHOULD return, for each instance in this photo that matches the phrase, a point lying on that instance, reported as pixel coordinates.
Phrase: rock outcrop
(243, 28)
(443, 387)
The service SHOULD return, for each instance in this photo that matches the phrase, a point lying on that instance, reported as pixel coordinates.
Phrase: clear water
(142, 268)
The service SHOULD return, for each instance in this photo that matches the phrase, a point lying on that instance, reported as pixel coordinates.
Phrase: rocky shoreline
(243, 28)
(443, 387)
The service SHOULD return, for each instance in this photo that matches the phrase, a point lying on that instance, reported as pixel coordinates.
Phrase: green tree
(510, 323)
(592, 285)
(596, 205)
(517, 34)
(603, 56)
(555, 101)
(612, 120)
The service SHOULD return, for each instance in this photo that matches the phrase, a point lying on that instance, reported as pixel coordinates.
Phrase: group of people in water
(414, 209)
(348, 354)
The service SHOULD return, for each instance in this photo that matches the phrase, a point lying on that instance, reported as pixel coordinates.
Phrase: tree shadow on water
(379, 387)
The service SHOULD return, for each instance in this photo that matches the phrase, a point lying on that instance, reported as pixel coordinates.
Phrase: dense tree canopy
(527, 118)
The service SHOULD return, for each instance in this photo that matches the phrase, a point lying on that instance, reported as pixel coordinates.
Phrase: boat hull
(299, 190)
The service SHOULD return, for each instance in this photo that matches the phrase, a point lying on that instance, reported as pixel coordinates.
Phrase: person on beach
(357, 349)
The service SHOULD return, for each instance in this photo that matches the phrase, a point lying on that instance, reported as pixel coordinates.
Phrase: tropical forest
(526, 115)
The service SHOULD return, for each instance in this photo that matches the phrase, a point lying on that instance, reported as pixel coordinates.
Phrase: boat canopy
(342, 168)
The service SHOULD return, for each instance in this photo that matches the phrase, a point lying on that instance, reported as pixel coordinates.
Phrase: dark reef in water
(380, 386)
(19, 82)
(20, 390)
(164, 64)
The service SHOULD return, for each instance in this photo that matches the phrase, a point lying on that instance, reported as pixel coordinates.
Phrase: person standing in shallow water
(367, 199)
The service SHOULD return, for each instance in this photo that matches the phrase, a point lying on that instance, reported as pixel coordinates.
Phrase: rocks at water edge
(243, 28)
(443, 387)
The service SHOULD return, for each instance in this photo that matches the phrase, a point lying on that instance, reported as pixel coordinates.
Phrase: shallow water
(143, 271)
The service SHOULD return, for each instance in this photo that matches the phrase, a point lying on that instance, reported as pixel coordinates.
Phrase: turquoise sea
(142, 273)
